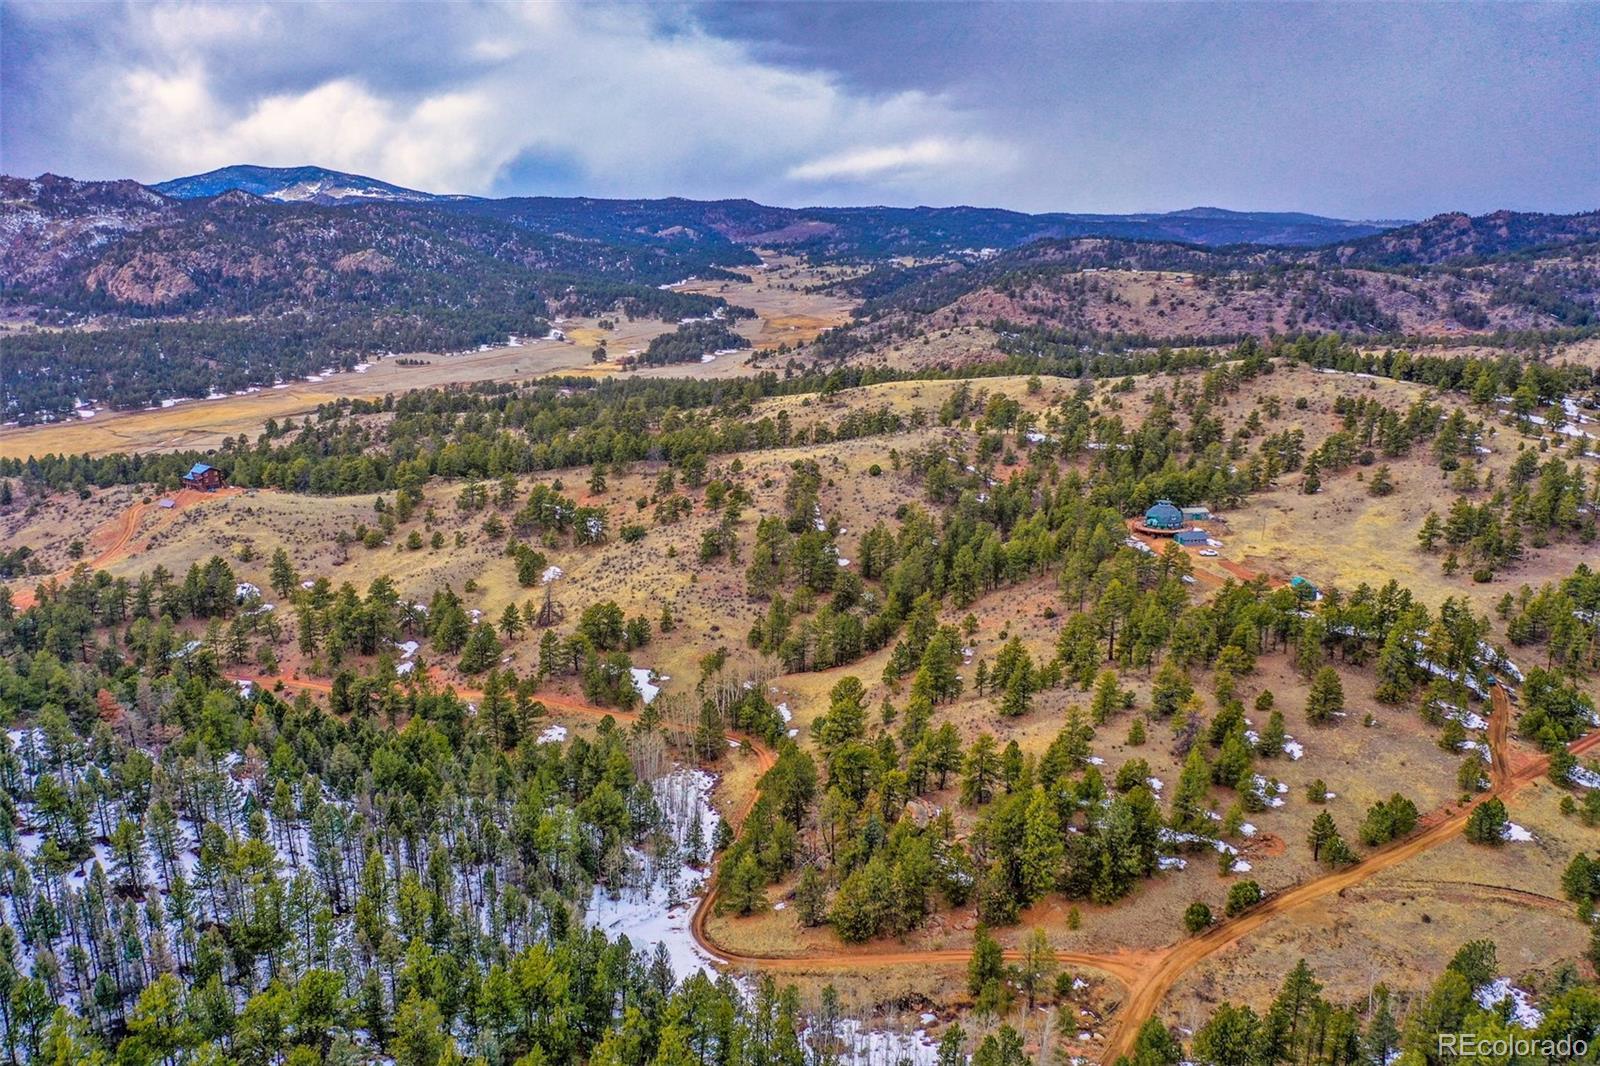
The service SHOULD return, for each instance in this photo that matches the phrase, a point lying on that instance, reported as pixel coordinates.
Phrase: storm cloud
(1355, 110)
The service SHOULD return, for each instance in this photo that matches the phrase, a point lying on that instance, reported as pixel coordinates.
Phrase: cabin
(201, 476)
(1192, 538)
(1195, 514)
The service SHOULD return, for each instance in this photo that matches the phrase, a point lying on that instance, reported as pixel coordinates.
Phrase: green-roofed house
(1164, 515)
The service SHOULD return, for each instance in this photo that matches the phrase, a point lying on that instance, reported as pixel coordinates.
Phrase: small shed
(1195, 514)
(1192, 537)
(202, 476)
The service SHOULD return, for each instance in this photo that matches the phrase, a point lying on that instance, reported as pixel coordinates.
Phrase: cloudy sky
(1358, 110)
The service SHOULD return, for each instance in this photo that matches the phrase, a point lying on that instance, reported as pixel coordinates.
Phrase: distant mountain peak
(304, 184)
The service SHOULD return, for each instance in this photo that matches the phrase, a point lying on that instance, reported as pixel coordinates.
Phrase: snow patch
(658, 903)
(648, 689)
(1524, 1015)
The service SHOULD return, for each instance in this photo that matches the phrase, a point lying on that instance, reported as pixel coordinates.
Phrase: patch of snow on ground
(785, 713)
(657, 903)
(1465, 717)
(648, 690)
(1515, 832)
(1294, 750)
(553, 735)
(856, 1045)
(1524, 1014)
(550, 574)
(1172, 836)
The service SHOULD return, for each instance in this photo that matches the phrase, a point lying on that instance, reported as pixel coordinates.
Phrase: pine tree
(1107, 699)
(1038, 964)
(1273, 736)
(482, 650)
(811, 897)
(281, 574)
(1326, 697)
(1487, 822)
(981, 771)
(1194, 785)
(1043, 850)
(1323, 829)
(987, 962)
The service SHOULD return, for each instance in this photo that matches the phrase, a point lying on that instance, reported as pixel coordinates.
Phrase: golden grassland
(1402, 926)
(786, 314)
(204, 423)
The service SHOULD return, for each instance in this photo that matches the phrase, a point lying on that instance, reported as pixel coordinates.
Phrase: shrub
(1197, 917)
(1241, 897)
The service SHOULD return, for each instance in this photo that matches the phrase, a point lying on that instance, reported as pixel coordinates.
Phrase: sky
(1356, 110)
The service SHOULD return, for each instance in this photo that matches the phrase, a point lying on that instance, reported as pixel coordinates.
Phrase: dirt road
(1145, 996)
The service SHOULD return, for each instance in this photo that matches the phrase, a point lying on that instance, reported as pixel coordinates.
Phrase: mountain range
(247, 275)
(919, 230)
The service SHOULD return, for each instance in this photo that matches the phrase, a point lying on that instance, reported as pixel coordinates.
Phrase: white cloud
(930, 153)
(625, 103)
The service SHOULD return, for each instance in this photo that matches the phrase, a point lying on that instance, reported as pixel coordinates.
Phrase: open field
(1402, 925)
(204, 423)
(787, 314)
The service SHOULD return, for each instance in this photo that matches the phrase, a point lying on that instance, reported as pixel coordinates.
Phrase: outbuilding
(1192, 537)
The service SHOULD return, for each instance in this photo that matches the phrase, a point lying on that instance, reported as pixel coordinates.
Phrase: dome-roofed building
(1164, 515)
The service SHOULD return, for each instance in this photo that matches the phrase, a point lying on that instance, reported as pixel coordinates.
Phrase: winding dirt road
(1145, 996)
(1146, 976)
